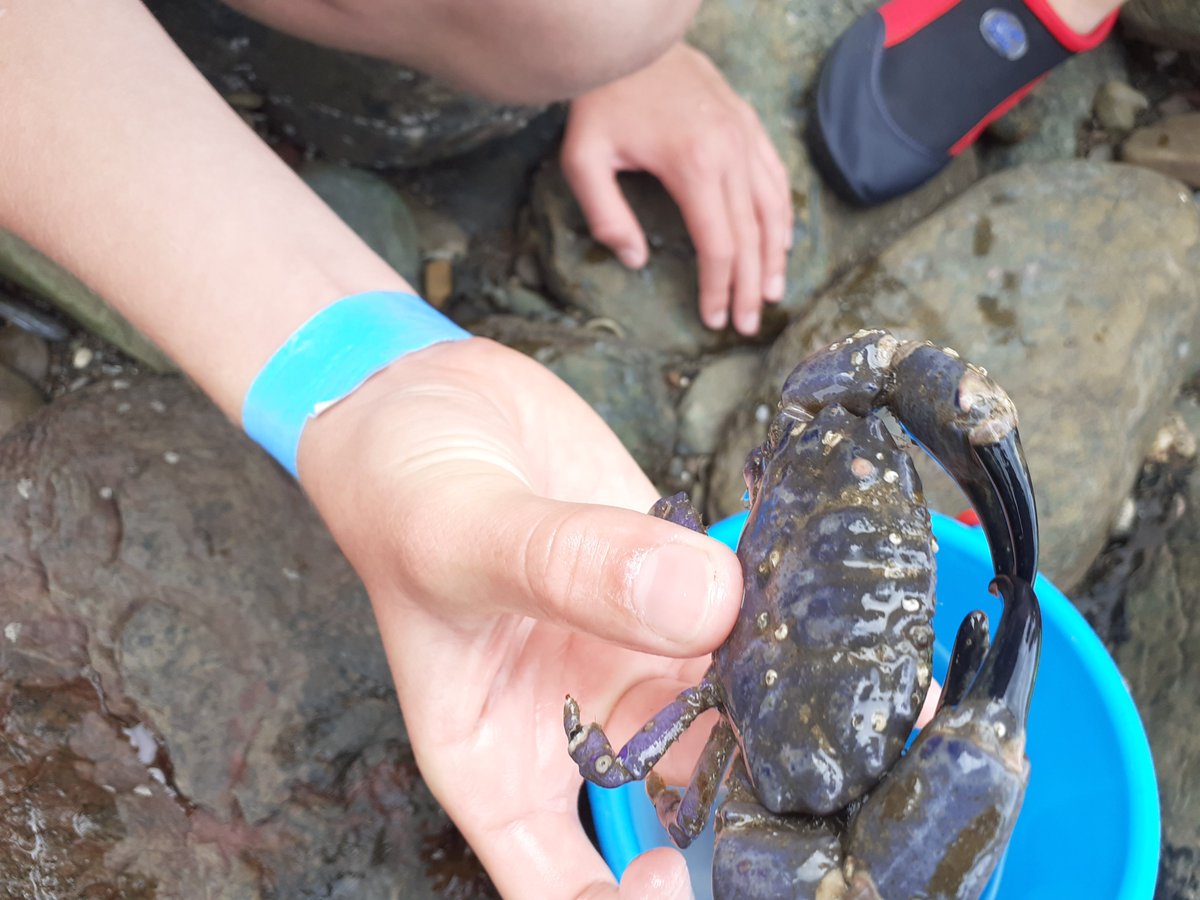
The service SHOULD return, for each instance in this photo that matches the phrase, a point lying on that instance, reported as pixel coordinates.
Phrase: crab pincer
(961, 784)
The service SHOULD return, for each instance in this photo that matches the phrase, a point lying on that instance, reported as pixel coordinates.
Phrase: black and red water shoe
(912, 84)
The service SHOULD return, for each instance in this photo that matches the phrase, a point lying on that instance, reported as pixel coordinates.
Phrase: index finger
(705, 212)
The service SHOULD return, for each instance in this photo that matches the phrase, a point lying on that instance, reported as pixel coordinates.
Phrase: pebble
(1171, 147)
(1117, 106)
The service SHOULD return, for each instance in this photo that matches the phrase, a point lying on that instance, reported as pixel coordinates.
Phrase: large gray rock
(621, 381)
(347, 107)
(770, 53)
(196, 670)
(1075, 285)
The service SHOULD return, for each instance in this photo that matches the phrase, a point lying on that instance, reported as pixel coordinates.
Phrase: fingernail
(774, 288)
(673, 590)
(748, 323)
(717, 320)
(632, 257)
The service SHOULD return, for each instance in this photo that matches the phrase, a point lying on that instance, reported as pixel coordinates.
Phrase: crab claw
(951, 408)
(966, 658)
(969, 425)
(978, 748)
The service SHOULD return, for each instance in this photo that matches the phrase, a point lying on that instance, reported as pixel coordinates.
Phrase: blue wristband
(330, 356)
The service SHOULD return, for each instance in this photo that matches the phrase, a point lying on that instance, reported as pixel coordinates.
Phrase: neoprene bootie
(914, 83)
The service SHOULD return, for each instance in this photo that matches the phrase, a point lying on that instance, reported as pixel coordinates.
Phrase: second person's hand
(679, 120)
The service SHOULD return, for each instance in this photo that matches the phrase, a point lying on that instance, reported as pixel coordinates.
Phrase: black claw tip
(1010, 522)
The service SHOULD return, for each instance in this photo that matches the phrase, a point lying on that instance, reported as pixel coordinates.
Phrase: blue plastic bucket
(1090, 824)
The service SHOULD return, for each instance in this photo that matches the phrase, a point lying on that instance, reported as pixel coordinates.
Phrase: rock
(23, 264)
(438, 235)
(196, 670)
(1117, 106)
(1165, 23)
(24, 353)
(1064, 102)
(1162, 611)
(346, 107)
(716, 391)
(620, 380)
(1075, 284)
(1171, 146)
(18, 399)
(516, 299)
(374, 210)
(438, 282)
(772, 59)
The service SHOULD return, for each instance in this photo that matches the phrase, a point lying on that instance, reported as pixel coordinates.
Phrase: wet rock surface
(183, 706)
(1157, 654)
(1029, 275)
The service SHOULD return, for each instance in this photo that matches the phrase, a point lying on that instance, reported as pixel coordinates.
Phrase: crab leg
(599, 764)
(684, 814)
(978, 747)
(969, 425)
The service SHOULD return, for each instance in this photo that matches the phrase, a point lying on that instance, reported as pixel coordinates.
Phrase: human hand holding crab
(498, 581)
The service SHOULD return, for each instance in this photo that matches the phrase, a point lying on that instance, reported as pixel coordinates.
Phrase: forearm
(119, 161)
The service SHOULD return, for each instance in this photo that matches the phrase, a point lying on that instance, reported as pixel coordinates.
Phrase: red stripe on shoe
(1067, 36)
(1000, 109)
(904, 18)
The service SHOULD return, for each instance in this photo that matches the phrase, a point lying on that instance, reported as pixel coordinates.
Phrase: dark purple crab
(821, 680)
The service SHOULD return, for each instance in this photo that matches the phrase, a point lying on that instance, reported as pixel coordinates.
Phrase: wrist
(331, 356)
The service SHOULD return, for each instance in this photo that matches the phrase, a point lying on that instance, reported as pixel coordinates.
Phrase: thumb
(660, 873)
(608, 214)
(620, 575)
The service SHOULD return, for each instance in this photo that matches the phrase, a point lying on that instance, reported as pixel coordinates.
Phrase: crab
(820, 682)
